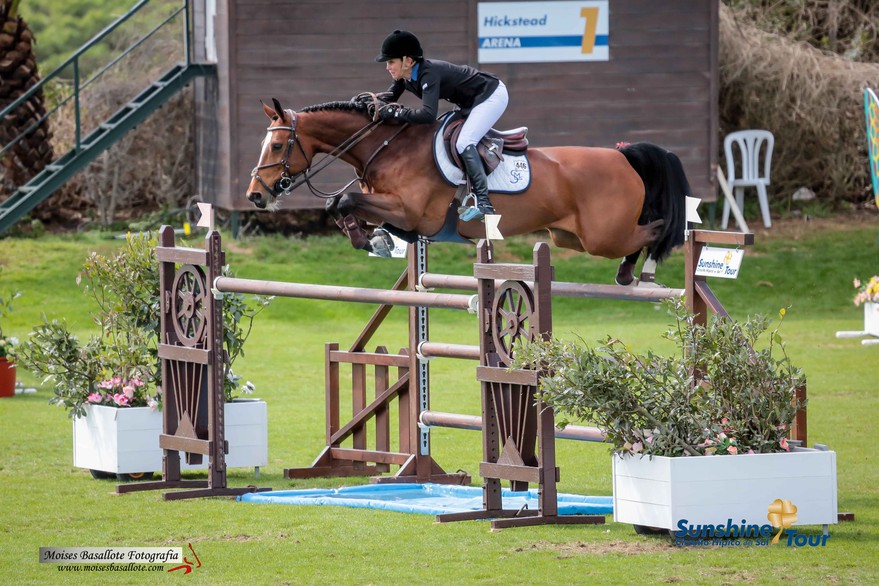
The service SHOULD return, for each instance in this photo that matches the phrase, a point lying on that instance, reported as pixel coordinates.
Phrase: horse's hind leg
(626, 270)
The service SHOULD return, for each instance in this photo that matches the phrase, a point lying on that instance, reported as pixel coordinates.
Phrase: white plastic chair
(753, 171)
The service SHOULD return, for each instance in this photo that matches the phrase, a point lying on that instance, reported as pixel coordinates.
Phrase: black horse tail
(667, 186)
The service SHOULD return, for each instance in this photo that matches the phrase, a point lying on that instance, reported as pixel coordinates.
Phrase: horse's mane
(350, 106)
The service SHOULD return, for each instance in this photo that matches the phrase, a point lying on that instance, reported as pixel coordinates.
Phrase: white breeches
(482, 118)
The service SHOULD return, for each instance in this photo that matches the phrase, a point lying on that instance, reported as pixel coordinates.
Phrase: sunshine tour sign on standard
(719, 262)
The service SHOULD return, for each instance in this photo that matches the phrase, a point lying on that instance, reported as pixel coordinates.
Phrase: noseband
(285, 182)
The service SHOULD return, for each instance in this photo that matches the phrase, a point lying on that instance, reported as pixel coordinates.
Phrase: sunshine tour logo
(781, 515)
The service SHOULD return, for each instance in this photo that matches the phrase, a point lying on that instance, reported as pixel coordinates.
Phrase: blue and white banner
(531, 32)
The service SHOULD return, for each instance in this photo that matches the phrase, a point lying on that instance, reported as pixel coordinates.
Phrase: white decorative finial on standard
(207, 216)
(491, 229)
(692, 212)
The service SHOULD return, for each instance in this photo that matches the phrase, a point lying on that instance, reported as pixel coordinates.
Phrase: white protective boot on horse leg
(648, 274)
(626, 272)
(380, 243)
(479, 185)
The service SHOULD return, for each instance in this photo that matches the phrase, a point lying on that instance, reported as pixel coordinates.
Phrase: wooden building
(660, 83)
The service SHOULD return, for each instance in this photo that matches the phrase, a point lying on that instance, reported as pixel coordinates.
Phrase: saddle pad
(513, 175)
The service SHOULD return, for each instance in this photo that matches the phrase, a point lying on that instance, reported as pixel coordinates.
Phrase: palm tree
(18, 73)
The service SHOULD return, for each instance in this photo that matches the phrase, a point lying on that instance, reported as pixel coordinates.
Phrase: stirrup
(469, 212)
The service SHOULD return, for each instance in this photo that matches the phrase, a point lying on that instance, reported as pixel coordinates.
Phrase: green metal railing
(74, 61)
(86, 146)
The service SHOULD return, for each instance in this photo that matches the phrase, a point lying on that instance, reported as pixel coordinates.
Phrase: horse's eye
(276, 146)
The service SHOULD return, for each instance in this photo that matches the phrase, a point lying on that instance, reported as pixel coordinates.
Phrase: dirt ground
(795, 228)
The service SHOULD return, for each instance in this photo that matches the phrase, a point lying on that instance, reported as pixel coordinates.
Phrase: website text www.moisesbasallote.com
(110, 568)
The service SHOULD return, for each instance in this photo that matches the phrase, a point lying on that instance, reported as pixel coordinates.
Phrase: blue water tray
(425, 499)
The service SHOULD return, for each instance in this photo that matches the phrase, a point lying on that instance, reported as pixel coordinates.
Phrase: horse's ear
(278, 108)
(269, 112)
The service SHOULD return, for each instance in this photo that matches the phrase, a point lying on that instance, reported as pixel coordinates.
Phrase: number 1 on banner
(591, 16)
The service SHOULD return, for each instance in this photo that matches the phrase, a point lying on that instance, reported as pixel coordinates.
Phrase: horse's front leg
(343, 209)
(340, 210)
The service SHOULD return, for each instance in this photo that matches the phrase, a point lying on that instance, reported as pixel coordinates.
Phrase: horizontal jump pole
(340, 293)
(439, 349)
(472, 422)
(559, 288)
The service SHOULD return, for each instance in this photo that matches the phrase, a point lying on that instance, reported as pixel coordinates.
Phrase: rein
(287, 182)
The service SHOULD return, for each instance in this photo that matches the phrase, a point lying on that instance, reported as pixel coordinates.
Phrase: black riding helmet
(400, 44)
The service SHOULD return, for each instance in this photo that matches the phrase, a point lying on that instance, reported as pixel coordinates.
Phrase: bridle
(287, 182)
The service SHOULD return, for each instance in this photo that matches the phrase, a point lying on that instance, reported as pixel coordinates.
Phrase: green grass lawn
(48, 502)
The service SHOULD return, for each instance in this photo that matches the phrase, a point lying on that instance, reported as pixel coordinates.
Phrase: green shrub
(125, 288)
(719, 395)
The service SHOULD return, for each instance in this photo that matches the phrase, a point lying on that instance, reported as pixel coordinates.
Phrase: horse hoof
(624, 277)
(381, 244)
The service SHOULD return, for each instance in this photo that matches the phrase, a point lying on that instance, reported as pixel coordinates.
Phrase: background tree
(19, 73)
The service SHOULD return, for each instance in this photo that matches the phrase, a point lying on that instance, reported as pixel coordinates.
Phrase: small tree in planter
(726, 392)
(125, 288)
(120, 368)
(721, 394)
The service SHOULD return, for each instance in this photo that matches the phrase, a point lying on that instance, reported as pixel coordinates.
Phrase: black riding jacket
(461, 85)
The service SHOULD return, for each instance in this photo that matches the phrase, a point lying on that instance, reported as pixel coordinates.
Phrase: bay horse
(604, 201)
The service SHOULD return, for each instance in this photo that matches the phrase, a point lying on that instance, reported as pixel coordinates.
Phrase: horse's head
(282, 158)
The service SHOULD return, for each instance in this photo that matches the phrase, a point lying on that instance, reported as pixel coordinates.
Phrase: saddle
(490, 148)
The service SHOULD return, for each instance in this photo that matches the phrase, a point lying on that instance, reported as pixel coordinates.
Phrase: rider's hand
(385, 96)
(391, 112)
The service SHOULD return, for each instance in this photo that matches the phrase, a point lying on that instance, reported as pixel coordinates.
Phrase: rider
(482, 98)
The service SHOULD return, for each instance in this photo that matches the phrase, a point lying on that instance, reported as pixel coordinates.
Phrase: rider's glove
(392, 112)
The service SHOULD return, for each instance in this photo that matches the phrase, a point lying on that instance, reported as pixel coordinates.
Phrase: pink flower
(128, 391)
(783, 444)
(732, 450)
(637, 447)
(751, 452)
(152, 403)
(95, 398)
(105, 384)
(120, 400)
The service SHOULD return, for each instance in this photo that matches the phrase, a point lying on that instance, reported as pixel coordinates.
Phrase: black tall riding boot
(478, 180)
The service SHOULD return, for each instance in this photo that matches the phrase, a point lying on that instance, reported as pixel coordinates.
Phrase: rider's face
(400, 68)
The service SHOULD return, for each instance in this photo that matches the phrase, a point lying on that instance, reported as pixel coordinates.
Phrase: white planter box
(871, 318)
(659, 492)
(125, 441)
